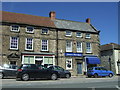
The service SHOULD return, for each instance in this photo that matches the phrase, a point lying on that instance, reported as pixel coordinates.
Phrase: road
(73, 82)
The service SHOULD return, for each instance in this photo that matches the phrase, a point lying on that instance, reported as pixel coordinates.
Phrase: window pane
(44, 31)
(68, 46)
(14, 43)
(14, 28)
(30, 29)
(28, 59)
(88, 47)
(68, 33)
(79, 47)
(29, 43)
(87, 35)
(44, 45)
(78, 34)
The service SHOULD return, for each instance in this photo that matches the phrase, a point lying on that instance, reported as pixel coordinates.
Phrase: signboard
(74, 54)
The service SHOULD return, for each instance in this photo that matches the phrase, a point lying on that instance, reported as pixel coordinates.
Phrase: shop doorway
(79, 68)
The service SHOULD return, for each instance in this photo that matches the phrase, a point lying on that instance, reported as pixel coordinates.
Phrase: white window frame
(26, 44)
(15, 30)
(77, 34)
(68, 59)
(41, 45)
(79, 47)
(68, 34)
(90, 49)
(29, 31)
(87, 35)
(43, 29)
(70, 49)
(11, 42)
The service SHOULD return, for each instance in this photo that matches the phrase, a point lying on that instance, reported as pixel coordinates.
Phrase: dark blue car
(99, 71)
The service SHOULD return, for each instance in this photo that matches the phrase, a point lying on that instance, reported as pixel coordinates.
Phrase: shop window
(48, 61)
(68, 63)
(28, 60)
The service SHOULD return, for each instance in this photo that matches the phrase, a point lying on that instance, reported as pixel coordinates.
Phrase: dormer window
(15, 28)
(68, 33)
(30, 29)
(88, 35)
(44, 31)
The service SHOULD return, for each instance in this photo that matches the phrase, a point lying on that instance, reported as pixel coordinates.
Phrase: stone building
(110, 57)
(48, 41)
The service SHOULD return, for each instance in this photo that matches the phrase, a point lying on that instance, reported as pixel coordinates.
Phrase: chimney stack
(52, 15)
(88, 20)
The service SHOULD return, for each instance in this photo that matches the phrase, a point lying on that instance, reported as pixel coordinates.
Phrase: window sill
(29, 50)
(88, 38)
(13, 49)
(88, 52)
(15, 31)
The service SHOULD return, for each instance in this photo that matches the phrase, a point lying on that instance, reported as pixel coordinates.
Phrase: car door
(13, 70)
(104, 71)
(60, 71)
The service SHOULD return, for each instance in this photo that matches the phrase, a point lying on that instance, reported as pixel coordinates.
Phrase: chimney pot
(52, 15)
(88, 20)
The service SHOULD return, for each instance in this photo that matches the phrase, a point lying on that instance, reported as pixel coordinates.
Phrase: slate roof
(11, 17)
(72, 25)
(110, 46)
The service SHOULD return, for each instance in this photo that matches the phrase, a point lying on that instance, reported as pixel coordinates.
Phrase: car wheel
(110, 75)
(67, 76)
(1, 75)
(54, 77)
(25, 77)
(95, 75)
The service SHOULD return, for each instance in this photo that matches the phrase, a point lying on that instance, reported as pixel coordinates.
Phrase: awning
(92, 60)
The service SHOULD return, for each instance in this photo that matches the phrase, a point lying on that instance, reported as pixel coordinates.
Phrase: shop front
(91, 61)
(38, 58)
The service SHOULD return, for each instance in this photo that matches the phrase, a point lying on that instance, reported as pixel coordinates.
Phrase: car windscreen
(90, 68)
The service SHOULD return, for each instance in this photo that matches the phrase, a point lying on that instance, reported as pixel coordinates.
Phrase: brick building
(48, 41)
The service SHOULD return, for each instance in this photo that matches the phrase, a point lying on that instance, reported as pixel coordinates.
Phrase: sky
(103, 15)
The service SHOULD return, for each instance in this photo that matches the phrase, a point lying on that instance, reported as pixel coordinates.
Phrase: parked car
(8, 70)
(28, 71)
(99, 71)
(63, 73)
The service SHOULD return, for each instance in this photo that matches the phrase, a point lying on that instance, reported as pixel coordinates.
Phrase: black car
(63, 73)
(28, 71)
(8, 71)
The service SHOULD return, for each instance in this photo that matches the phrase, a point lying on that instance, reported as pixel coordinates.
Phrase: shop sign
(74, 54)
